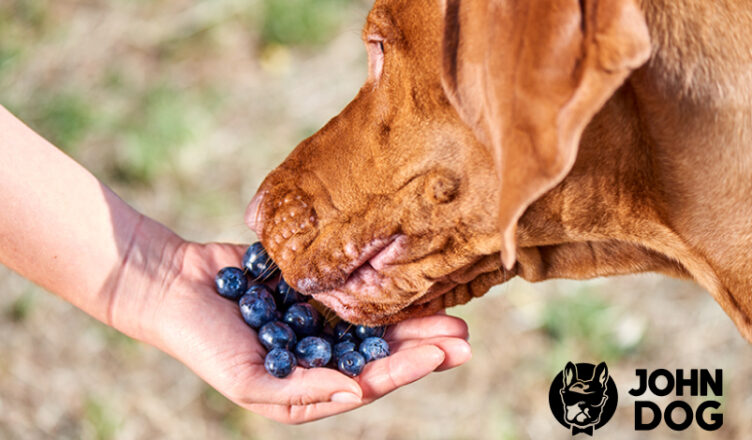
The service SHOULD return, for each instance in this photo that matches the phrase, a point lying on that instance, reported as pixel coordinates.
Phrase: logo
(693, 382)
(583, 397)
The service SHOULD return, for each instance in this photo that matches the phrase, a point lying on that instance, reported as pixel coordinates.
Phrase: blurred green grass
(301, 22)
(102, 418)
(147, 122)
(585, 320)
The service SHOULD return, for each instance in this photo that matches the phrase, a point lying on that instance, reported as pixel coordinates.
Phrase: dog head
(583, 399)
(401, 204)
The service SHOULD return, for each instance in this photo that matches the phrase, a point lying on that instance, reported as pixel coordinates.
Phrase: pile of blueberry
(290, 327)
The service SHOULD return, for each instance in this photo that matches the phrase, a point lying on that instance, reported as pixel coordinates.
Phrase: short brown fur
(589, 139)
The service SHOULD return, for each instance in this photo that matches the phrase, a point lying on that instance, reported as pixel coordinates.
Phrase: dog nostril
(441, 187)
(253, 213)
(295, 215)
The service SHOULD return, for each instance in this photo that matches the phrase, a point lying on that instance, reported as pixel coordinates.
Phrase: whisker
(268, 271)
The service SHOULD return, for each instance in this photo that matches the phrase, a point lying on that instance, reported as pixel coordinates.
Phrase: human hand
(207, 333)
(136, 275)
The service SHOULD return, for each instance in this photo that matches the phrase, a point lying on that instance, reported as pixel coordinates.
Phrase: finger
(457, 351)
(401, 368)
(303, 387)
(429, 326)
(302, 413)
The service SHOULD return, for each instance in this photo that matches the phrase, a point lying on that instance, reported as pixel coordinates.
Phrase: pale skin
(66, 231)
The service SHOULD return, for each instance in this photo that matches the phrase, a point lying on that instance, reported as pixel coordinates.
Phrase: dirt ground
(183, 107)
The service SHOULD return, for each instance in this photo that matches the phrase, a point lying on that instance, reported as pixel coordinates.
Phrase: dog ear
(527, 76)
(570, 374)
(601, 374)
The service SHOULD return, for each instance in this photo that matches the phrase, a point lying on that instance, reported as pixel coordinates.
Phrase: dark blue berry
(313, 351)
(343, 347)
(286, 295)
(328, 338)
(277, 334)
(363, 332)
(374, 348)
(231, 282)
(258, 264)
(256, 311)
(260, 291)
(304, 319)
(344, 331)
(280, 362)
(351, 363)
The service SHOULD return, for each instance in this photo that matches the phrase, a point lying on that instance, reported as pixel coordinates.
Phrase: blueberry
(277, 334)
(260, 291)
(363, 332)
(304, 319)
(280, 362)
(286, 295)
(313, 351)
(374, 348)
(344, 331)
(327, 337)
(256, 311)
(231, 282)
(342, 348)
(351, 363)
(257, 262)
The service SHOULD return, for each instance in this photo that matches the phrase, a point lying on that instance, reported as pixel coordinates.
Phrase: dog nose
(293, 214)
(278, 214)
(253, 213)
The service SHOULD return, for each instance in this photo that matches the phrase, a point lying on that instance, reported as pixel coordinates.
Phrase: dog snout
(283, 217)
(292, 215)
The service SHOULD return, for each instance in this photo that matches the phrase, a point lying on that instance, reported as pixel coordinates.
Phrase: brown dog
(578, 138)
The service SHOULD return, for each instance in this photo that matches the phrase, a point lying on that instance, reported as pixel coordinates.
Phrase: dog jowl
(583, 397)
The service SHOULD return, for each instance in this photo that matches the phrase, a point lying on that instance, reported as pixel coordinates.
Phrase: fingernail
(344, 397)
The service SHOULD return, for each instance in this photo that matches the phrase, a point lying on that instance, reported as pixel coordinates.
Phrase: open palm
(207, 333)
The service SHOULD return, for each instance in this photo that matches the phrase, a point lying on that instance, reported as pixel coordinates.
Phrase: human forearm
(63, 229)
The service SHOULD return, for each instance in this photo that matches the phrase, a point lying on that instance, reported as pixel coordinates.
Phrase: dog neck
(664, 170)
(695, 108)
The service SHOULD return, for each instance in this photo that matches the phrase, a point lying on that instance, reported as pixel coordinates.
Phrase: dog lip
(388, 253)
(351, 310)
(365, 278)
(368, 307)
(379, 251)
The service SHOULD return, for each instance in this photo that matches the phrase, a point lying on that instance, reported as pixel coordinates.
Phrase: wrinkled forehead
(380, 22)
(398, 20)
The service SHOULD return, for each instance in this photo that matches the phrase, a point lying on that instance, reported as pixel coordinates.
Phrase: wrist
(150, 265)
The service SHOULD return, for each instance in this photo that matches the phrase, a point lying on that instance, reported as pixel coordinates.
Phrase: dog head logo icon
(583, 397)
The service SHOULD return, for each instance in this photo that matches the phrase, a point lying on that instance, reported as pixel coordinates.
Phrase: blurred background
(183, 107)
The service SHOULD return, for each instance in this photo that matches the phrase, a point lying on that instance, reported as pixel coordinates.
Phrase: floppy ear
(527, 76)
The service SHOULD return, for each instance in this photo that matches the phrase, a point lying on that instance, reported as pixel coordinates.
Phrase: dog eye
(375, 48)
